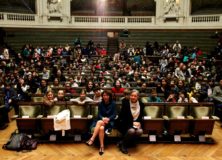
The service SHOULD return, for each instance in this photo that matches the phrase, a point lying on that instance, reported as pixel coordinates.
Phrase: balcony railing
(109, 22)
(206, 19)
(20, 17)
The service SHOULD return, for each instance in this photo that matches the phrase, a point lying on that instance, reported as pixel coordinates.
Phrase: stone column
(66, 10)
(187, 10)
(159, 11)
(39, 9)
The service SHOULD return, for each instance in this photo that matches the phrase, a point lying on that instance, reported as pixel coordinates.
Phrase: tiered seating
(17, 38)
(201, 39)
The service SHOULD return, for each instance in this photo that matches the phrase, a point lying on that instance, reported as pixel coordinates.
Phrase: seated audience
(126, 95)
(182, 98)
(69, 89)
(10, 98)
(60, 96)
(117, 87)
(89, 87)
(193, 97)
(56, 83)
(154, 97)
(48, 99)
(82, 99)
(97, 95)
(217, 92)
(172, 97)
(43, 87)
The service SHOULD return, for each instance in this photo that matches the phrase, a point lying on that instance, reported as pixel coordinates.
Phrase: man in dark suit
(130, 120)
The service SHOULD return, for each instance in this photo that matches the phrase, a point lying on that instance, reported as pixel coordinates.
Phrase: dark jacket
(125, 118)
(106, 110)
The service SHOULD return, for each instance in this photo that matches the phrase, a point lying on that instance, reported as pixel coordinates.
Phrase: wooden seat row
(172, 120)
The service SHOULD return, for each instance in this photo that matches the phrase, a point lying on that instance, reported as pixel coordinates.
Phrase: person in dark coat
(105, 120)
(10, 98)
(129, 121)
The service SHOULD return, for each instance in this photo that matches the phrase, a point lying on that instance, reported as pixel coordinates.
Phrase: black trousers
(3, 116)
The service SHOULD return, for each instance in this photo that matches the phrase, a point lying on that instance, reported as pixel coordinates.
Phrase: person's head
(163, 82)
(181, 66)
(59, 72)
(34, 74)
(117, 84)
(180, 83)
(172, 83)
(144, 86)
(90, 85)
(107, 96)
(220, 83)
(139, 83)
(82, 95)
(126, 93)
(21, 80)
(127, 66)
(7, 86)
(50, 95)
(96, 84)
(169, 76)
(56, 82)
(43, 83)
(97, 92)
(29, 76)
(211, 82)
(67, 85)
(182, 95)
(61, 94)
(136, 74)
(172, 94)
(71, 80)
(134, 96)
(153, 93)
(44, 70)
(124, 79)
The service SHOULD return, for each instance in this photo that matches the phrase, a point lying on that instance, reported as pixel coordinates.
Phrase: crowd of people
(176, 73)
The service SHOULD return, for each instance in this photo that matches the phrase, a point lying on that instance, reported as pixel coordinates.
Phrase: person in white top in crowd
(177, 46)
(82, 99)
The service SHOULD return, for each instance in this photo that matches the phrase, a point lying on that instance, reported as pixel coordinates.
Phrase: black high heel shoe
(101, 151)
(89, 142)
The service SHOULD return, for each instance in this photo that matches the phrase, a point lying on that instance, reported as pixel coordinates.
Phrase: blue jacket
(106, 110)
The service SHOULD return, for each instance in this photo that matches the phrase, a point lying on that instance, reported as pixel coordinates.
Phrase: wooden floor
(142, 151)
